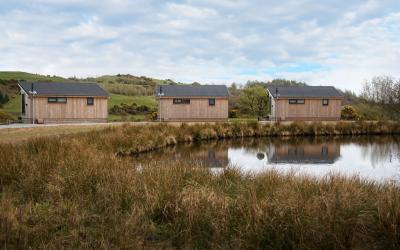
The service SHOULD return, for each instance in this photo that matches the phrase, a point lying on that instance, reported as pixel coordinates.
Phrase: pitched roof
(306, 91)
(193, 90)
(63, 88)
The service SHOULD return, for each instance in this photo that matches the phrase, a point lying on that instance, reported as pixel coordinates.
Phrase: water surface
(374, 158)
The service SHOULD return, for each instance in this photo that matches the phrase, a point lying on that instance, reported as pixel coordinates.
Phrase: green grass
(74, 192)
(18, 75)
(139, 100)
(13, 107)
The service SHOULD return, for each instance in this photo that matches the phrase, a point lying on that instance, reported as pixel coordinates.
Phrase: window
(90, 101)
(211, 102)
(325, 102)
(52, 99)
(23, 104)
(57, 100)
(181, 101)
(61, 99)
(296, 101)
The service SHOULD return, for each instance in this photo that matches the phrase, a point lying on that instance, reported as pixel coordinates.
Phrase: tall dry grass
(74, 191)
(129, 139)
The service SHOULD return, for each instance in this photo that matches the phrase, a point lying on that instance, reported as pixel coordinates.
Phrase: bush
(349, 113)
(233, 113)
(4, 117)
(143, 109)
(133, 109)
(153, 116)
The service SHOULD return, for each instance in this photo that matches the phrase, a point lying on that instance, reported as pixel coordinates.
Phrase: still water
(374, 158)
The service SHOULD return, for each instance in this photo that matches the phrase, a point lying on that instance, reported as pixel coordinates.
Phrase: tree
(385, 92)
(277, 83)
(254, 100)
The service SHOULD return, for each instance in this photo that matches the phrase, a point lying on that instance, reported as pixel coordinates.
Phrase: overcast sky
(341, 43)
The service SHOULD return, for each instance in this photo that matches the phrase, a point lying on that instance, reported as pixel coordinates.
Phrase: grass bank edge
(130, 139)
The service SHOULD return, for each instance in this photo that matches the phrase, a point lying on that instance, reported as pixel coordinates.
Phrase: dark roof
(63, 88)
(193, 90)
(306, 91)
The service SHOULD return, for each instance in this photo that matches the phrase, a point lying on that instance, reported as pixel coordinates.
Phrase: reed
(74, 191)
(130, 139)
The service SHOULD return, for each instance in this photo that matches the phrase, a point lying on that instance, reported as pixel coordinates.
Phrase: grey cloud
(206, 41)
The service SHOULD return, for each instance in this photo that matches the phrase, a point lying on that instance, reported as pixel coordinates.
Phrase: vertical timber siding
(312, 109)
(197, 110)
(75, 110)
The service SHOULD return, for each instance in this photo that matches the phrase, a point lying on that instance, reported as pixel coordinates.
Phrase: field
(78, 191)
(139, 100)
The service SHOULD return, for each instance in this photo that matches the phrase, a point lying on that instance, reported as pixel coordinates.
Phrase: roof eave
(173, 96)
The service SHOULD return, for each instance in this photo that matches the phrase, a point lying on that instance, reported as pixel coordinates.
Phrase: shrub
(153, 116)
(233, 113)
(4, 117)
(133, 109)
(349, 113)
(143, 109)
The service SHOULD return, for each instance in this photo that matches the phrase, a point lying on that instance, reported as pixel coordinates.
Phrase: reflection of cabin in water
(211, 158)
(304, 154)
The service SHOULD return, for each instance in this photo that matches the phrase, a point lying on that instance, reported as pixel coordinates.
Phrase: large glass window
(181, 101)
(57, 100)
(296, 101)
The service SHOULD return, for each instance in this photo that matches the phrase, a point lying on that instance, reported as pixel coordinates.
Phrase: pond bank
(130, 140)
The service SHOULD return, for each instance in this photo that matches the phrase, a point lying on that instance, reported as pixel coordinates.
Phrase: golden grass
(74, 191)
(13, 135)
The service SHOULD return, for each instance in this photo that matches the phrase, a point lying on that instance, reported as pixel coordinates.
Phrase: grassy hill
(19, 75)
(123, 89)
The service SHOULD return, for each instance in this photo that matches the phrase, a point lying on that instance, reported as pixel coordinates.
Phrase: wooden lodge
(308, 103)
(192, 103)
(52, 102)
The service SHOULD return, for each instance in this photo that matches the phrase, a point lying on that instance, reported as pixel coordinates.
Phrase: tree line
(385, 92)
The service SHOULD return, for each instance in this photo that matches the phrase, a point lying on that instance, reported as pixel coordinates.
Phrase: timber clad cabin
(53, 102)
(192, 103)
(308, 103)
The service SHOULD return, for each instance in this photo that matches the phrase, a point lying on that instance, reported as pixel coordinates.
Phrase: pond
(374, 157)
